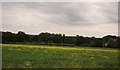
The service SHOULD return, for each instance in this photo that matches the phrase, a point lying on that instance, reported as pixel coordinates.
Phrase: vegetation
(60, 39)
(49, 50)
(34, 56)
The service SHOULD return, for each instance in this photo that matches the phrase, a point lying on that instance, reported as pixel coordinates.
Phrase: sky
(70, 18)
(60, 0)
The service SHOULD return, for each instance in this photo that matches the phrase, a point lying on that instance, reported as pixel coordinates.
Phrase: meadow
(41, 56)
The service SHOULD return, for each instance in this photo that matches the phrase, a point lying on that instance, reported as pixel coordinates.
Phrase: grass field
(34, 56)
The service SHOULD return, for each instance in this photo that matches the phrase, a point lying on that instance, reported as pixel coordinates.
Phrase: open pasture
(39, 56)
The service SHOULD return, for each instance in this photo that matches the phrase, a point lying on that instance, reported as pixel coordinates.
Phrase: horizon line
(60, 33)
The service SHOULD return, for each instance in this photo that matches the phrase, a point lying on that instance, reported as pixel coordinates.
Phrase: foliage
(60, 39)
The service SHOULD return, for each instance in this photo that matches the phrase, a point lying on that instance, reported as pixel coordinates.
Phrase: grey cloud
(0, 15)
(60, 0)
(47, 15)
(110, 11)
(72, 13)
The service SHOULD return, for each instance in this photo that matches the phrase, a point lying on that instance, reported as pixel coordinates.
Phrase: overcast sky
(71, 18)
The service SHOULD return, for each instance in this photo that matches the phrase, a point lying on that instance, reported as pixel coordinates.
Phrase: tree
(79, 40)
(21, 37)
(63, 38)
(59, 39)
(113, 43)
(96, 43)
(8, 37)
(109, 41)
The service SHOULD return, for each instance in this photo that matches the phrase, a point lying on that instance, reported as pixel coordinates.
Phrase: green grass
(34, 56)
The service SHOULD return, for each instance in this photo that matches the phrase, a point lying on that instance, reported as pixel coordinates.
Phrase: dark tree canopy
(60, 39)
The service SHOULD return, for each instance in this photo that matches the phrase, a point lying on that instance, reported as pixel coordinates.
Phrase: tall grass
(34, 56)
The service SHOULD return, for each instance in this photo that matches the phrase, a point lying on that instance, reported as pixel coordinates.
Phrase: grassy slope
(31, 56)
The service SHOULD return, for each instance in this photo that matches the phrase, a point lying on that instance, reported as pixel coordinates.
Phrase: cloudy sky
(71, 18)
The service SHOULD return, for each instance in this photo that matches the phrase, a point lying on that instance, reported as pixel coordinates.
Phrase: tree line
(60, 39)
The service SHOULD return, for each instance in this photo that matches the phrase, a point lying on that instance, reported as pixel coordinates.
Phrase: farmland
(41, 56)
